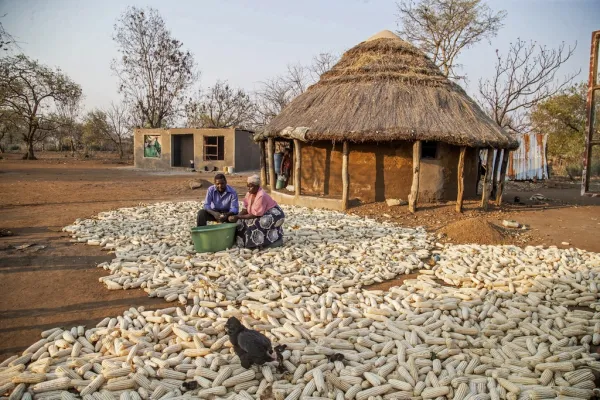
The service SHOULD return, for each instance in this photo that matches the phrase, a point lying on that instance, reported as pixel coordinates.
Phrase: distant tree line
(157, 83)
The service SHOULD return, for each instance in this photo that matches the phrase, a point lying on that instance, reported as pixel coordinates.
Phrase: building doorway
(183, 150)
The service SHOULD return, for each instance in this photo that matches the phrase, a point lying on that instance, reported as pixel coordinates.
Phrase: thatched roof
(386, 89)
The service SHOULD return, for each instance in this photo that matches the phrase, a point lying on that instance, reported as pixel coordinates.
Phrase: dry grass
(385, 89)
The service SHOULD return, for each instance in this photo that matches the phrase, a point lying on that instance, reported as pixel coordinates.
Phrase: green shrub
(574, 170)
(595, 168)
(15, 147)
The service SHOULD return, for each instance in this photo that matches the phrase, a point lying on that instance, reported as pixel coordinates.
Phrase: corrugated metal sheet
(528, 161)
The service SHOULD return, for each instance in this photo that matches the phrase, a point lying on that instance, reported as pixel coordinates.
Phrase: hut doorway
(183, 150)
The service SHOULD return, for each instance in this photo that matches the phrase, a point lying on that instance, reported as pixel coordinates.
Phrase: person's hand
(233, 218)
(222, 217)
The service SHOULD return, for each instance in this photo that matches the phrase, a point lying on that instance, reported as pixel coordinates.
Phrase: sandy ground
(55, 282)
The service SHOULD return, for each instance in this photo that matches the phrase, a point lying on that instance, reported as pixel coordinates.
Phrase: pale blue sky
(248, 41)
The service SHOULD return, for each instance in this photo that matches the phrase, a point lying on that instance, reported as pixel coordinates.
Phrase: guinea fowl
(252, 347)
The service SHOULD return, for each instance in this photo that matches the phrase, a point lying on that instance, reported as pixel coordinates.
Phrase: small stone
(396, 202)
(510, 223)
(565, 243)
(195, 184)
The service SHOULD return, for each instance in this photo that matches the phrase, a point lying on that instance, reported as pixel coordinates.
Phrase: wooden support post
(414, 190)
(345, 175)
(263, 163)
(495, 172)
(297, 167)
(487, 179)
(461, 180)
(503, 168)
(271, 150)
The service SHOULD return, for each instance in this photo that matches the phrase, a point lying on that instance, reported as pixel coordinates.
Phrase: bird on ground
(252, 347)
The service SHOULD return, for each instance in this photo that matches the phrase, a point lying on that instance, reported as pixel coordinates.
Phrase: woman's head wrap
(254, 180)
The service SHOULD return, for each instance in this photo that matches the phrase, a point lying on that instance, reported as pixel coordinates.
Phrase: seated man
(221, 203)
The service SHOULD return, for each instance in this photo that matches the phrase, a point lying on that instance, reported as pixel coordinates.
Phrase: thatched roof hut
(385, 91)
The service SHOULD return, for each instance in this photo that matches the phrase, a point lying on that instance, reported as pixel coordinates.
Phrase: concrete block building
(211, 148)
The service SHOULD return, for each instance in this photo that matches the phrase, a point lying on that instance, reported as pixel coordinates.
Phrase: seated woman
(260, 221)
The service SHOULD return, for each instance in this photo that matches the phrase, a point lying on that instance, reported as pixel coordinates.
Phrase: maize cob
(267, 373)
(51, 385)
(432, 393)
(556, 366)
(579, 376)
(119, 384)
(239, 378)
(509, 386)
(374, 391)
(223, 374)
(351, 393)
(400, 385)
(294, 394)
(68, 396)
(94, 385)
(214, 391)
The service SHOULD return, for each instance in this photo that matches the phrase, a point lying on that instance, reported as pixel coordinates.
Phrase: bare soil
(54, 282)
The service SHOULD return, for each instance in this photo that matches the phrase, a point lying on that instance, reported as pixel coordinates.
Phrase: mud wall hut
(382, 123)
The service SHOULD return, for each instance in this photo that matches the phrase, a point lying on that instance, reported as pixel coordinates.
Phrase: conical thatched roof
(385, 89)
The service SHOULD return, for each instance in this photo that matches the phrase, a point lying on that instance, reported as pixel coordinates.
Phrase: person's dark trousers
(203, 217)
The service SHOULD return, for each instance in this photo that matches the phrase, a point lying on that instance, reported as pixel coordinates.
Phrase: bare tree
(524, 77)
(7, 41)
(69, 112)
(276, 93)
(220, 107)
(444, 28)
(28, 91)
(321, 64)
(118, 119)
(272, 96)
(8, 126)
(153, 70)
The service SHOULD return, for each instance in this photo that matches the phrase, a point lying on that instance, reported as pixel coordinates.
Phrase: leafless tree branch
(444, 28)
(524, 77)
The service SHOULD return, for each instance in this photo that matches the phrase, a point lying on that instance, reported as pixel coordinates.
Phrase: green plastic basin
(212, 238)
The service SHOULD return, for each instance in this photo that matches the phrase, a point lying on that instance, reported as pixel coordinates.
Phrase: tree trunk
(29, 155)
(297, 167)
(461, 180)
(120, 151)
(416, 166)
(271, 151)
(263, 163)
(485, 196)
(345, 175)
(72, 147)
(495, 173)
(503, 168)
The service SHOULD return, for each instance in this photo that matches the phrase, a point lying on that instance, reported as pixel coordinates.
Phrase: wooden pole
(495, 173)
(503, 168)
(263, 163)
(297, 167)
(414, 190)
(485, 196)
(461, 180)
(271, 150)
(345, 175)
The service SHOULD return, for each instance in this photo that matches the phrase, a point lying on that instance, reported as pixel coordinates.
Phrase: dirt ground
(54, 282)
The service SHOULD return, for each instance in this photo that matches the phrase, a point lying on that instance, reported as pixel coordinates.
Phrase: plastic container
(280, 182)
(213, 238)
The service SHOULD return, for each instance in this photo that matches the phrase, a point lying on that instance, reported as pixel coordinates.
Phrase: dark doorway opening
(183, 150)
